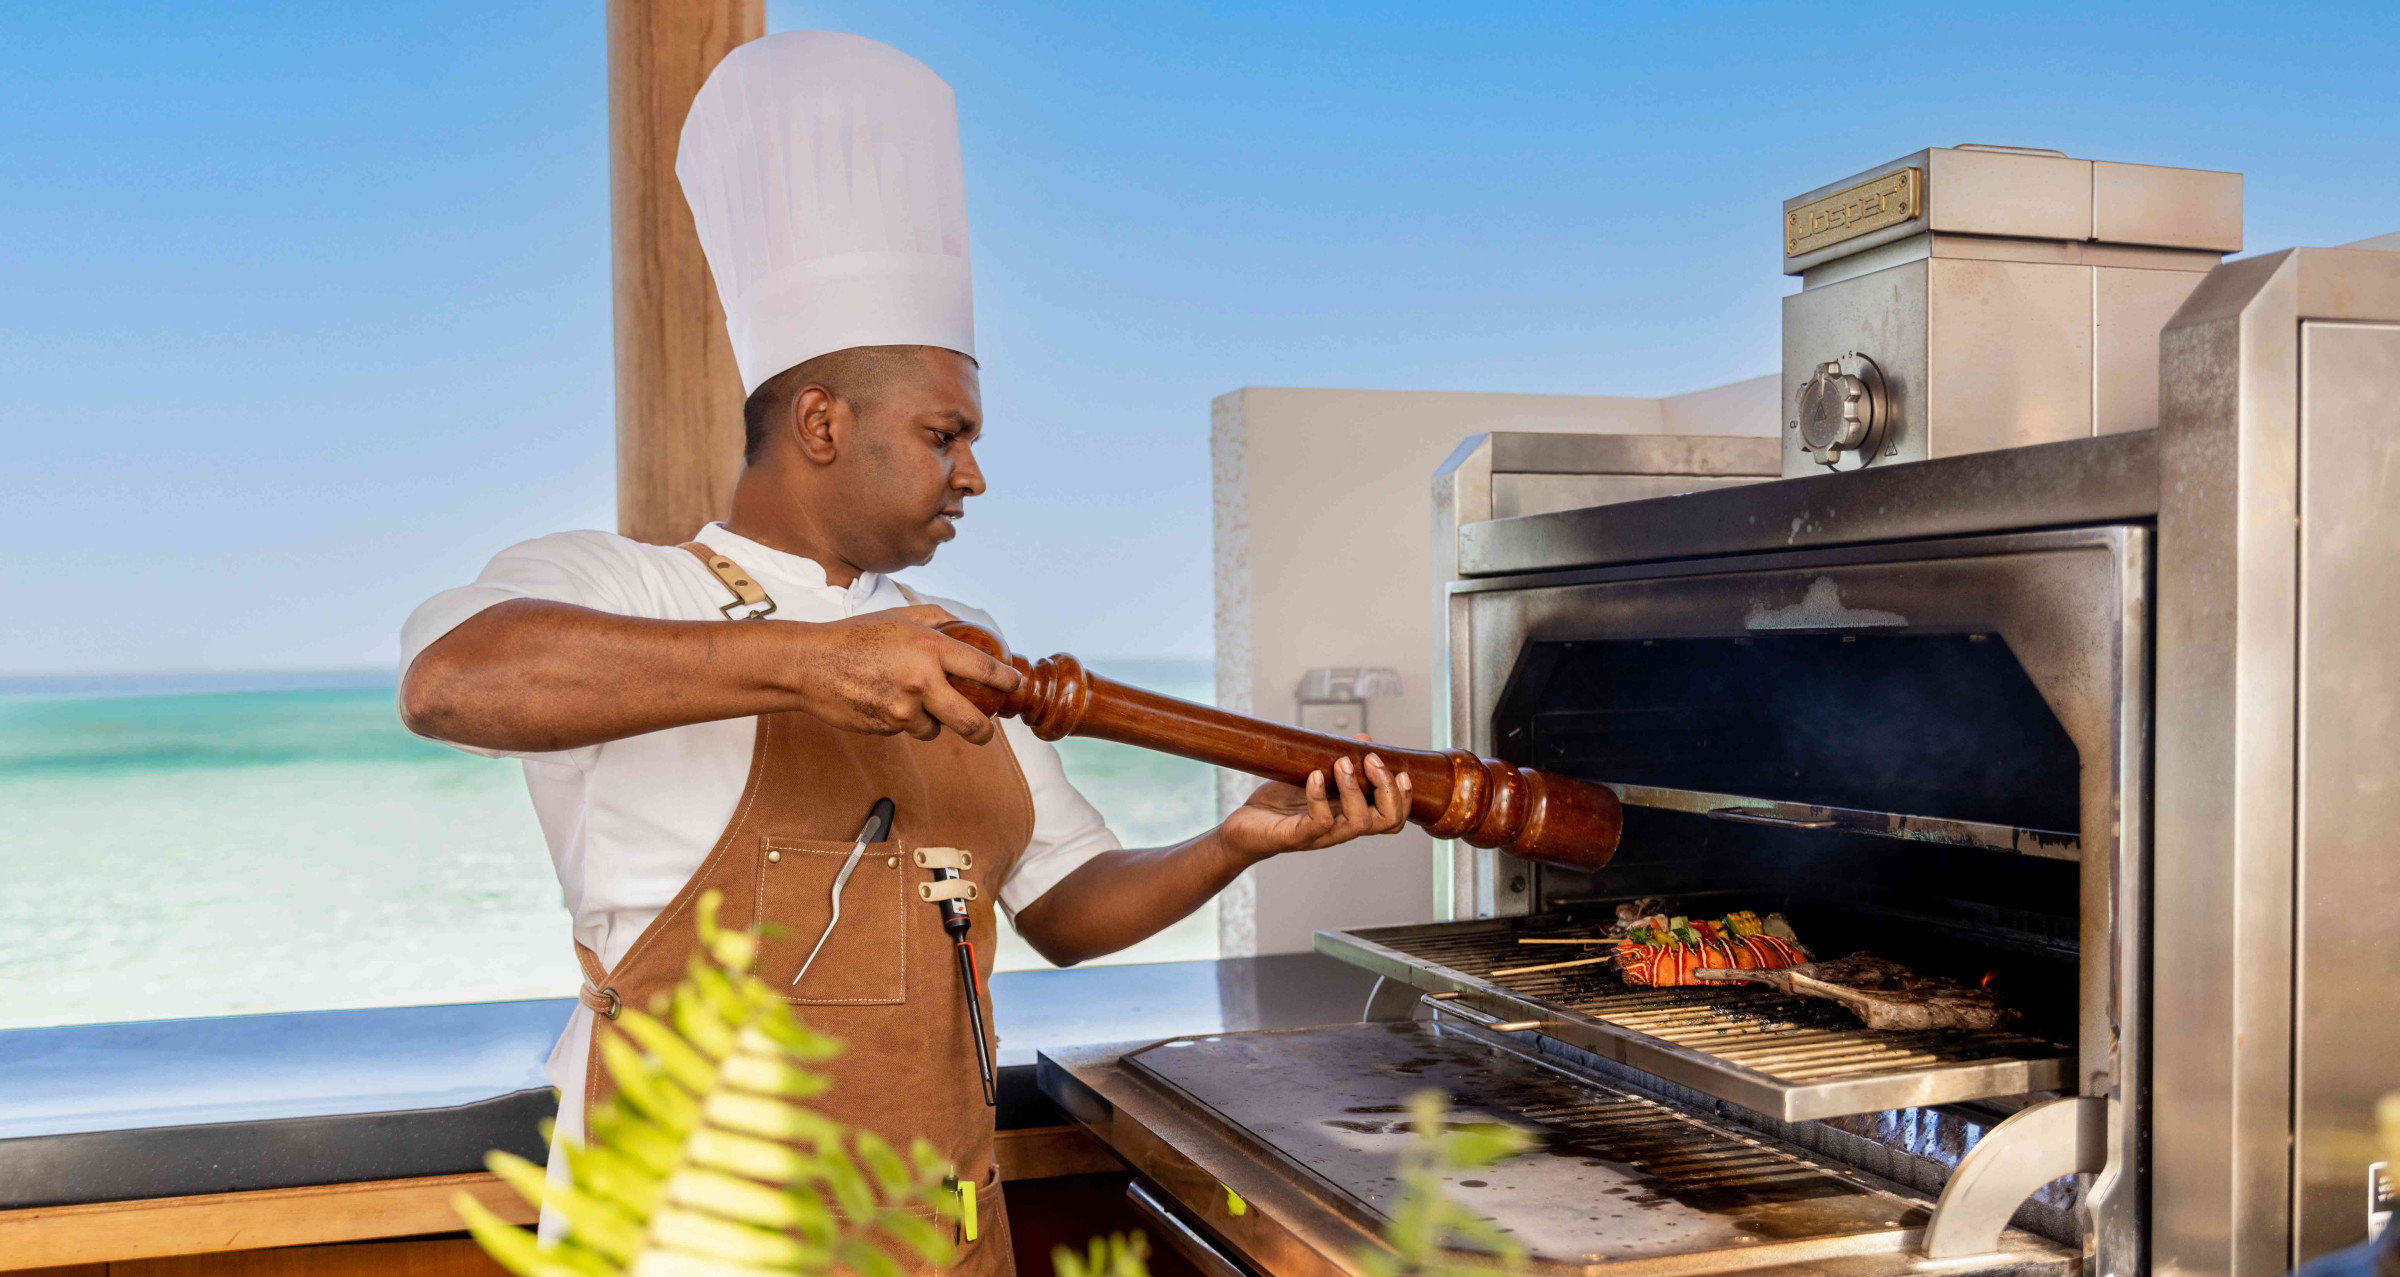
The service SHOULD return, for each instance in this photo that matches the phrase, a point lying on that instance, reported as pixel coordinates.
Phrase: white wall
(1323, 499)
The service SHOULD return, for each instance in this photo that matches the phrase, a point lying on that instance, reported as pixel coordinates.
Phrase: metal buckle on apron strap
(747, 592)
(603, 1002)
(601, 999)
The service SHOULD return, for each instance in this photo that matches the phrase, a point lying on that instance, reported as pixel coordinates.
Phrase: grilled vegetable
(1664, 951)
(1662, 965)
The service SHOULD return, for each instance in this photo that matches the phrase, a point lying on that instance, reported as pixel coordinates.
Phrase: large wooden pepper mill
(1455, 794)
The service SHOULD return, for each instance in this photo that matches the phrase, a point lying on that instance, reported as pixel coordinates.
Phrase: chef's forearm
(1119, 898)
(530, 675)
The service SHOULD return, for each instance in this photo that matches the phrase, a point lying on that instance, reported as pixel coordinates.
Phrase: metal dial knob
(1843, 411)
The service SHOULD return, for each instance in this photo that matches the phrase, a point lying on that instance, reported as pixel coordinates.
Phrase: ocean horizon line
(124, 683)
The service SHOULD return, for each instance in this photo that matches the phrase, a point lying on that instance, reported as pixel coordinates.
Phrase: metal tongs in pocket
(877, 828)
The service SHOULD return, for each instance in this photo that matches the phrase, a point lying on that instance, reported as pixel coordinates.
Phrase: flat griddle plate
(1616, 1177)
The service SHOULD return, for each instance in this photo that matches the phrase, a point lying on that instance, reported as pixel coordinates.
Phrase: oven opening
(1939, 725)
(2009, 923)
(1942, 726)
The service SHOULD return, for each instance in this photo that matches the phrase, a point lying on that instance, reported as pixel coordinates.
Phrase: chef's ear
(813, 414)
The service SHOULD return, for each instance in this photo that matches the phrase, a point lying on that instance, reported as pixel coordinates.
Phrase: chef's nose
(966, 476)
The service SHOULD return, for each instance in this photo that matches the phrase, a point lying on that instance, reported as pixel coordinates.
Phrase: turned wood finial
(1482, 801)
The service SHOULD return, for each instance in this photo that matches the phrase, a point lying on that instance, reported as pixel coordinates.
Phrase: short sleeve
(1067, 829)
(597, 570)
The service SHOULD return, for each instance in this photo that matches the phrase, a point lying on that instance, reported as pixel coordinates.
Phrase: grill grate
(1787, 1038)
(1788, 1056)
(1681, 1155)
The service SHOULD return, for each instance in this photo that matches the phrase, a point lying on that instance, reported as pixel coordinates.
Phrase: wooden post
(679, 398)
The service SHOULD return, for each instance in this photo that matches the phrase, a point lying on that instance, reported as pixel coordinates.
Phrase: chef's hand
(1280, 817)
(883, 673)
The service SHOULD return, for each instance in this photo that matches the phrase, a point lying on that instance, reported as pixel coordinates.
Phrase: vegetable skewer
(1556, 966)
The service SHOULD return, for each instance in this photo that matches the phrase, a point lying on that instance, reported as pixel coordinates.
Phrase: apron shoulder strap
(747, 592)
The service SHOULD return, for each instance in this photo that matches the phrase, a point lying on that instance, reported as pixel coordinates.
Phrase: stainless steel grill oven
(1933, 749)
(2106, 724)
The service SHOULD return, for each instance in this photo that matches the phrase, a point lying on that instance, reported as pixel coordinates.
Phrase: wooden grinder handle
(1455, 794)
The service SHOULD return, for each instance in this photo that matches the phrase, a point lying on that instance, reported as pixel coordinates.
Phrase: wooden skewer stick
(1486, 802)
(1556, 966)
(1580, 940)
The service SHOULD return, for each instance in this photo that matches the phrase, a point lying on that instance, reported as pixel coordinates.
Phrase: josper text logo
(1885, 200)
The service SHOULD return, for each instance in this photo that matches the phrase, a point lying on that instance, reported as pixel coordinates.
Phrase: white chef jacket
(629, 821)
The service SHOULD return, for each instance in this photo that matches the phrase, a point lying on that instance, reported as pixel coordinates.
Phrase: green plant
(1430, 1235)
(706, 1164)
(1116, 1255)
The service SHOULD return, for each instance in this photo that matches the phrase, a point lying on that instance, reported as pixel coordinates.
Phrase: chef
(725, 714)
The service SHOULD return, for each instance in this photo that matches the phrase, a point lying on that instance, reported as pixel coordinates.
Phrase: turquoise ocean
(225, 844)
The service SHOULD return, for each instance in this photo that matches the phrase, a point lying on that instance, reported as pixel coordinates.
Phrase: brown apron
(886, 981)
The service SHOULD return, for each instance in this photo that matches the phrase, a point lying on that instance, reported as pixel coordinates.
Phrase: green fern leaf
(868, 1260)
(702, 1022)
(652, 1148)
(615, 1178)
(674, 1056)
(705, 1164)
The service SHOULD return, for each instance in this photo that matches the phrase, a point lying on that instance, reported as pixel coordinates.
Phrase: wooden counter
(290, 1230)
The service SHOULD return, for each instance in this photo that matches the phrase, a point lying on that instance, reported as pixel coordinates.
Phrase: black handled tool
(877, 828)
(956, 921)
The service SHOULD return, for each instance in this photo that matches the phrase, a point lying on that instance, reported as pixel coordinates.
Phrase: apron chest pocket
(864, 961)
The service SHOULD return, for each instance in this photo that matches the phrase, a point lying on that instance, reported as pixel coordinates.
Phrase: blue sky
(304, 308)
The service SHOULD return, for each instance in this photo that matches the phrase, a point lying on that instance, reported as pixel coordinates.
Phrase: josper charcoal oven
(2108, 724)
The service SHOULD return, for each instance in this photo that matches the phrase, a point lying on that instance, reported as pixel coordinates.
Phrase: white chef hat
(824, 177)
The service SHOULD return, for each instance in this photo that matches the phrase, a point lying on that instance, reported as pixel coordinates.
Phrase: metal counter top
(114, 1112)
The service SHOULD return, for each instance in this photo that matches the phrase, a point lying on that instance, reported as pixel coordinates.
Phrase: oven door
(1864, 641)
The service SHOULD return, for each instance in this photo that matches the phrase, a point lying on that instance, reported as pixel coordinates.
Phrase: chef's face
(914, 448)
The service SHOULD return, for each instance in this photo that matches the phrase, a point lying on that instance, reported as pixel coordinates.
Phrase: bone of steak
(1881, 992)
